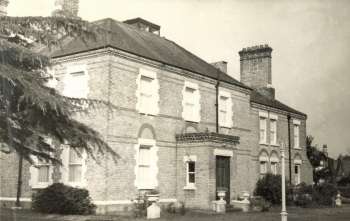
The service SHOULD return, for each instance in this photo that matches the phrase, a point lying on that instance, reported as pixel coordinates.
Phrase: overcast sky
(310, 41)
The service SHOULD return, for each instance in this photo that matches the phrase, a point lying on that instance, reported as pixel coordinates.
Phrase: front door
(223, 176)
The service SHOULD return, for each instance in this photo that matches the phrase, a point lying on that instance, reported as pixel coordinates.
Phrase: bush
(324, 194)
(302, 195)
(269, 187)
(140, 205)
(344, 191)
(259, 204)
(61, 199)
(176, 208)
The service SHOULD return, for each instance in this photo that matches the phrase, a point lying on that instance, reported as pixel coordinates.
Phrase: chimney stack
(3, 7)
(66, 8)
(222, 65)
(144, 25)
(325, 149)
(256, 69)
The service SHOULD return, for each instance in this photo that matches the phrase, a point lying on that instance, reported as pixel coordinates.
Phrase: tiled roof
(258, 98)
(148, 45)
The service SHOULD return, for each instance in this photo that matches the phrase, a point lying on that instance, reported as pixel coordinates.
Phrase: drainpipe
(19, 181)
(289, 150)
(217, 101)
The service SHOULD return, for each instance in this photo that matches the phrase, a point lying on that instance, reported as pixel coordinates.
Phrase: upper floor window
(263, 127)
(225, 109)
(296, 130)
(147, 92)
(273, 129)
(190, 103)
(76, 82)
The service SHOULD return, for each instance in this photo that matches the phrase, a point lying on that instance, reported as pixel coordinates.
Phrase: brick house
(163, 122)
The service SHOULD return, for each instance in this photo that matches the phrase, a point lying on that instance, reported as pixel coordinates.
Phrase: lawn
(324, 214)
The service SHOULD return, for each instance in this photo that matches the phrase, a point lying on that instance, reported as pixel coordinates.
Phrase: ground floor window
(297, 174)
(263, 168)
(75, 166)
(274, 168)
(191, 173)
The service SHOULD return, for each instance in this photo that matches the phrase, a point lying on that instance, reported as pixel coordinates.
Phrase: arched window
(263, 160)
(274, 160)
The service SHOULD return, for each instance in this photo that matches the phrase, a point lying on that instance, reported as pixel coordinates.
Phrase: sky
(310, 41)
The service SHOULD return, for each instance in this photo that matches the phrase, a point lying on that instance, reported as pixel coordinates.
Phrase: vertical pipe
(19, 181)
(284, 213)
(289, 151)
(217, 101)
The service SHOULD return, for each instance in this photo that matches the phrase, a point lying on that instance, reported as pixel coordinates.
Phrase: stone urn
(221, 194)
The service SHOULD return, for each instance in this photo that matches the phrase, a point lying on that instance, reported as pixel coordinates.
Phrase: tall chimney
(256, 69)
(66, 8)
(3, 7)
(325, 149)
(222, 65)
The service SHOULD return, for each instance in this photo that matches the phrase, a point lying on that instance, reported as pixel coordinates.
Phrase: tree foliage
(29, 110)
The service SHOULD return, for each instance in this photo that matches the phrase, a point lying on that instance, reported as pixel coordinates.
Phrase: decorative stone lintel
(211, 137)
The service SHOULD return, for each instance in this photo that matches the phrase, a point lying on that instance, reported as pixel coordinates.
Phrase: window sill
(264, 143)
(41, 185)
(148, 114)
(227, 127)
(297, 148)
(275, 145)
(192, 121)
(190, 187)
(76, 184)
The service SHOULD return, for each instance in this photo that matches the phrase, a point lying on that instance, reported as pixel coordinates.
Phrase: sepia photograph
(189, 110)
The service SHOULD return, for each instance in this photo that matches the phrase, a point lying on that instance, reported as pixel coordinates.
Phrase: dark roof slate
(258, 98)
(151, 46)
(148, 45)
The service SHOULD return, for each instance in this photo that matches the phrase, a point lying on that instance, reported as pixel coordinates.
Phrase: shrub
(302, 195)
(324, 194)
(269, 187)
(177, 207)
(259, 204)
(61, 199)
(344, 191)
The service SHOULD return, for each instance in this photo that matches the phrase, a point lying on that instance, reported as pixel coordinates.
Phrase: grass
(300, 214)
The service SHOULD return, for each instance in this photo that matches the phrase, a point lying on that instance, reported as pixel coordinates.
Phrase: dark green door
(223, 176)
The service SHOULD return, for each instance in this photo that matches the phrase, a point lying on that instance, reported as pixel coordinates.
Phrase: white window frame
(190, 159)
(227, 108)
(191, 115)
(152, 108)
(263, 160)
(65, 168)
(297, 176)
(153, 183)
(34, 171)
(274, 163)
(296, 134)
(273, 130)
(67, 88)
(263, 116)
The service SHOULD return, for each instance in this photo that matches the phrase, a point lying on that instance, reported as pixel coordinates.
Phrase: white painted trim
(298, 161)
(67, 77)
(126, 202)
(221, 152)
(64, 168)
(154, 162)
(155, 92)
(14, 199)
(274, 159)
(296, 122)
(197, 104)
(190, 158)
(229, 122)
(263, 114)
(273, 116)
